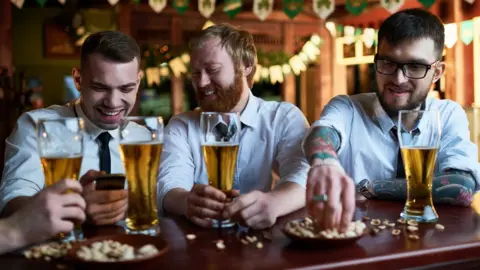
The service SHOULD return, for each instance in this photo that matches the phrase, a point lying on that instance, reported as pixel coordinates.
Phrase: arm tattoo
(322, 143)
(452, 187)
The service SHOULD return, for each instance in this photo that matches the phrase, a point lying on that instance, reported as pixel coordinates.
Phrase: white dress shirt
(269, 141)
(23, 173)
(369, 151)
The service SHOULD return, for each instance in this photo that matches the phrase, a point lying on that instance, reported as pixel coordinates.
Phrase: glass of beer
(141, 141)
(220, 143)
(419, 137)
(60, 145)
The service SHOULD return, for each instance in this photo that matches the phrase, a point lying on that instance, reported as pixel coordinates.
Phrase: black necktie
(400, 167)
(104, 153)
(225, 131)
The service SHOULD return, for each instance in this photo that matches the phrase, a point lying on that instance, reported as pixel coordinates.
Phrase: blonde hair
(238, 44)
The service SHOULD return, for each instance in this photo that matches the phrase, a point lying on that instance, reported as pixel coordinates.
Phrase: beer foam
(220, 144)
(142, 142)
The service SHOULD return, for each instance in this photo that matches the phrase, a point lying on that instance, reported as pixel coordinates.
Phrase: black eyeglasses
(410, 70)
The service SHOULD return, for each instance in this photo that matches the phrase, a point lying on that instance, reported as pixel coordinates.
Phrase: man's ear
(439, 70)
(77, 78)
(247, 71)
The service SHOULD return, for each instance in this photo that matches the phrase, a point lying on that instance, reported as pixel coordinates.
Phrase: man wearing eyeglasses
(354, 145)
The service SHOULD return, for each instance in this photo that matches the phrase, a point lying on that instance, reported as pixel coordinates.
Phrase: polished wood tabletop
(457, 245)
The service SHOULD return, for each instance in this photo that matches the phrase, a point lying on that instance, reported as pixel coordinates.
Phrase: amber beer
(221, 161)
(58, 168)
(141, 161)
(419, 165)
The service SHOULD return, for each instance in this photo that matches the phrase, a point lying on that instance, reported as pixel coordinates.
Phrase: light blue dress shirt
(270, 141)
(23, 172)
(369, 151)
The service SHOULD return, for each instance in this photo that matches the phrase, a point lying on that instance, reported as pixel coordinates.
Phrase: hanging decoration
(271, 66)
(62, 1)
(349, 34)
(331, 28)
(232, 8)
(368, 37)
(157, 5)
(427, 3)
(113, 2)
(292, 7)
(206, 7)
(356, 6)
(18, 3)
(470, 1)
(466, 32)
(262, 8)
(136, 2)
(392, 5)
(323, 8)
(42, 2)
(451, 35)
(181, 5)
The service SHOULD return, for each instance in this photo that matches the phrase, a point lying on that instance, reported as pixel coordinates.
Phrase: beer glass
(60, 146)
(220, 142)
(419, 138)
(141, 142)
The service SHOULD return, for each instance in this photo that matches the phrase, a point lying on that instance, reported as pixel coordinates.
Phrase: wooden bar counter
(457, 245)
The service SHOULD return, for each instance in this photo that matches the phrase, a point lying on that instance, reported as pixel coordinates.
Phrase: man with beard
(354, 141)
(223, 63)
(108, 79)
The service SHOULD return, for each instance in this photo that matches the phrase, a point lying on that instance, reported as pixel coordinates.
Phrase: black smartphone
(110, 182)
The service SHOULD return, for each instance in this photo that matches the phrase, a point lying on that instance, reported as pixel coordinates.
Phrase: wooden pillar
(6, 35)
(124, 18)
(177, 87)
(288, 86)
(326, 74)
(459, 56)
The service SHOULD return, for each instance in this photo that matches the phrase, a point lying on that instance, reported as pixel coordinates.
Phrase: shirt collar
(385, 122)
(249, 113)
(91, 128)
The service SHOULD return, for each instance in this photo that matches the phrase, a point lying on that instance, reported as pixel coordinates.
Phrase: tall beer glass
(141, 141)
(419, 137)
(60, 145)
(220, 143)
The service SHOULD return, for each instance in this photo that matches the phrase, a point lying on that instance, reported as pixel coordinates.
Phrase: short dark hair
(113, 45)
(413, 24)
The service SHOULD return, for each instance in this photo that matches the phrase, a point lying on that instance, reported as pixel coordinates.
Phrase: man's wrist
(13, 233)
(318, 161)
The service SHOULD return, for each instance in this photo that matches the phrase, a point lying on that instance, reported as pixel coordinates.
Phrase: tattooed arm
(453, 187)
(322, 144)
(328, 178)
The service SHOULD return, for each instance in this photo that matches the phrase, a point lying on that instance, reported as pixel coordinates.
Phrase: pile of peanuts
(110, 251)
(410, 227)
(306, 228)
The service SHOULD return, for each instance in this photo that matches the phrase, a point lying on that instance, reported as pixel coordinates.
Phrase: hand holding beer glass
(141, 142)
(419, 138)
(220, 143)
(60, 145)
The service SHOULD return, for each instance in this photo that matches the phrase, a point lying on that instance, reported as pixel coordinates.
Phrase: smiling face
(398, 92)
(218, 84)
(109, 89)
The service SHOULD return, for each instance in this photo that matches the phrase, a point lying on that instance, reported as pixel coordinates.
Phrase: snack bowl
(135, 241)
(319, 240)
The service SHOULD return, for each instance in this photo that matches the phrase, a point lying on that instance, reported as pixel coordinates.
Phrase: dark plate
(320, 241)
(137, 241)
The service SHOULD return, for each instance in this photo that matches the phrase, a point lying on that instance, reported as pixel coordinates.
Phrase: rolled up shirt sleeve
(337, 114)
(457, 151)
(176, 164)
(293, 165)
(22, 173)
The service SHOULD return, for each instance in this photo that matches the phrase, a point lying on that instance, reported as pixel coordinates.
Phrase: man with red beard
(223, 63)
(108, 80)
(354, 141)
